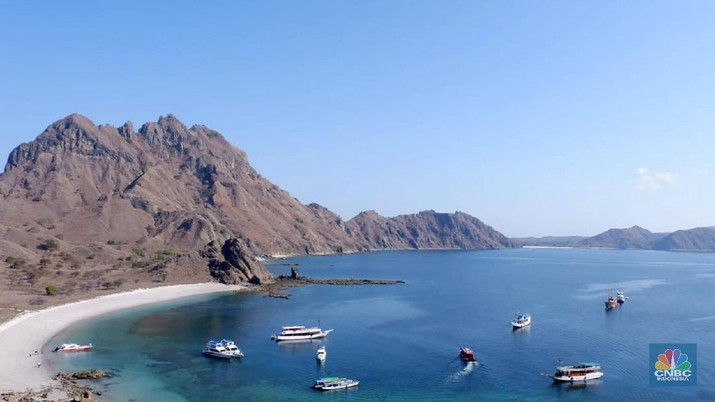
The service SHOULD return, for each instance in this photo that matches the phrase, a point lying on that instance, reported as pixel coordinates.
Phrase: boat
(620, 297)
(223, 349)
(467, 355)
(231, 347)
(300, 333)
(581, 372)
(321, 354)
(73, 347)
(521, 320)
(320, 382)
(611, 303)
(334, 383)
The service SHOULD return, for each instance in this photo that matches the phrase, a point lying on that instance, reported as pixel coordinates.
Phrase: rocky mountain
(179, 204)
(425, 230)
(632, 238)
(697, 239)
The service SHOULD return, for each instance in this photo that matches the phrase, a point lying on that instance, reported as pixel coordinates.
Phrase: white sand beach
(21, 336)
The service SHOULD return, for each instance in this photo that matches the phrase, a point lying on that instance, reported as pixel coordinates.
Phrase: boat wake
(468, 369)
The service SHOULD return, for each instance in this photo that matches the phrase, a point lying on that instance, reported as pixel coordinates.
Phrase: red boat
(73, 347)
(467, 355)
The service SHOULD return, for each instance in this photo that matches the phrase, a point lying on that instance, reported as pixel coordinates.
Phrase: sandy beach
(21, 336)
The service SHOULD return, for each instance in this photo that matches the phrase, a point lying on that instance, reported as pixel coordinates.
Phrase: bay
(402, 342)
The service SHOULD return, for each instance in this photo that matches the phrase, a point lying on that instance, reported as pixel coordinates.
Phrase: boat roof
(579, 366)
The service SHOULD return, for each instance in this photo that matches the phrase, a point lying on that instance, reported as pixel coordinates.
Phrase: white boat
(582, 372)
(223, 349)
(231, 347)
(334, 383)
(300, 333)
(73, 347)
(321, 354)
(521, 320)
(620, 297)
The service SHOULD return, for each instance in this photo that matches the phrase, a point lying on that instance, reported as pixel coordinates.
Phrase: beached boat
(73, 347)
(621, 297)
(334, 383)
(582, 372)
(467, 355)
(321, 354)
(223, 349)
(300, 333)
(521, 320)
(611, 303)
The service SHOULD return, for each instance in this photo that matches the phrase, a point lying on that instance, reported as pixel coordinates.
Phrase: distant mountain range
(697, 239)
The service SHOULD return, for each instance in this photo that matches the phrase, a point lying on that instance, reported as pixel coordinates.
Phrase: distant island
(633, 238)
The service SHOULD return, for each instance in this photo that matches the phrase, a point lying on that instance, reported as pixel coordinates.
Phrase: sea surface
(402, 342)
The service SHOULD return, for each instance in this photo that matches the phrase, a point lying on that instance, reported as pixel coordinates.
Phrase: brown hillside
(92, 207)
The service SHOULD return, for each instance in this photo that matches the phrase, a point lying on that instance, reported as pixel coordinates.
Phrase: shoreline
(30, 331)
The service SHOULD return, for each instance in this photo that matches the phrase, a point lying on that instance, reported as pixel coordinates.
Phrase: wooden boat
(581, 372)
(467, 355)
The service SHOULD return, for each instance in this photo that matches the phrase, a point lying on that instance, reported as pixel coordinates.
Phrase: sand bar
(28, 332)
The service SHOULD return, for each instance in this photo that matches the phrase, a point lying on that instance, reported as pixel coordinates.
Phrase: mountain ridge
(98, 203)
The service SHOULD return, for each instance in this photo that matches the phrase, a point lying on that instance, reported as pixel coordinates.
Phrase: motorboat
(521, 320)
(581, 372)
(321, 354)
(334, 383)
(231, 347)
(620, 297)
(223, 349)
(467, 355)
(73, 347)
(300, 333)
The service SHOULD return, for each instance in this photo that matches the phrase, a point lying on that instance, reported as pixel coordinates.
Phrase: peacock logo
(674, 364)
(672, 359)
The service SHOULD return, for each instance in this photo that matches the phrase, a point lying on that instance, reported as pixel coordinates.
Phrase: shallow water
(402, 342)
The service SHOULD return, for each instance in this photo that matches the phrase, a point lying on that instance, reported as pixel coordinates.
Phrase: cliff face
(173, 202)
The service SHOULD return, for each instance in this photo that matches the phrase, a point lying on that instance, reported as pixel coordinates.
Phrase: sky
(538, 118)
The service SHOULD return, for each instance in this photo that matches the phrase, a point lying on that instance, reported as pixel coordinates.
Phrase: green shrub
(51, 290)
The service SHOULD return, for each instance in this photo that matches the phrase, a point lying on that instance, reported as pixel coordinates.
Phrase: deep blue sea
(402, 342)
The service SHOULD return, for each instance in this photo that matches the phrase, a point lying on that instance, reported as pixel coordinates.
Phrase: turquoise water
(402, 342)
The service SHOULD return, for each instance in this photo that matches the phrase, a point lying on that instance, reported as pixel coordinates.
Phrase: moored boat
(321, 354)
(73, 347)
(581, 372)
(223, 349)
(334, 383)
(300, 333)
(467, 355)
(521, 320)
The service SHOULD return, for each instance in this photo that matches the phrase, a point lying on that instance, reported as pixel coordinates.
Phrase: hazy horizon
(555, 119)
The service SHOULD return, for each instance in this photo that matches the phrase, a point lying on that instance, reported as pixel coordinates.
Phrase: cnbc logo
(673, 364)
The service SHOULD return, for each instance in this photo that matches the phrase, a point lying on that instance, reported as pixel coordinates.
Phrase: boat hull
(586, 377)
(306, 337)
(218, 355)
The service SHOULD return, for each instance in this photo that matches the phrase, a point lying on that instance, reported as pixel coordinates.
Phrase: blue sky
(539, 118)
